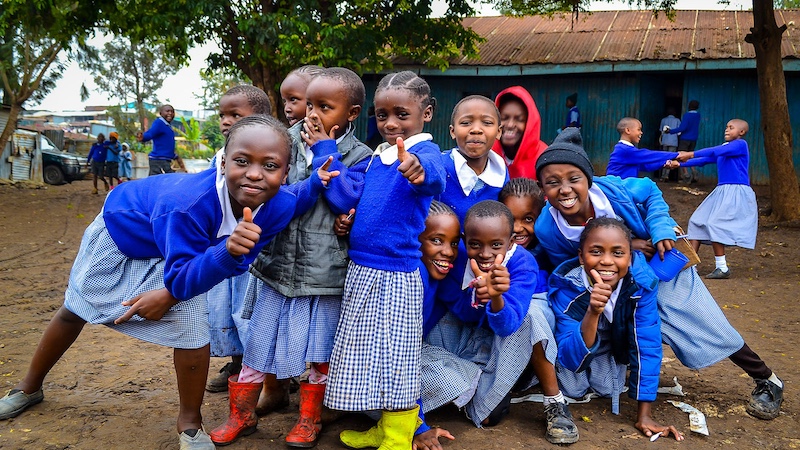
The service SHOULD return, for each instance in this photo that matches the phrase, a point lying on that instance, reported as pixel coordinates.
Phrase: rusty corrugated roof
(614, 36)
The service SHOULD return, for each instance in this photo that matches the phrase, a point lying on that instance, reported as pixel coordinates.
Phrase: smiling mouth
(485, 266)
(606, 274)
(522, 239)
(250, 189)
(442, 265)
(568, 202)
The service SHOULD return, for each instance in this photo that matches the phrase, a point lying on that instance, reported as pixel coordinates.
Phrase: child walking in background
(295, 287)
(225, 300)
(112, 158)
(626, 160)
(375, 360)
(520, 144)
(729, 215)
(479, 350)
(157, 246)
(97, 162)
(125, 164)
(607, 321)
(691, 321)
(293, 92)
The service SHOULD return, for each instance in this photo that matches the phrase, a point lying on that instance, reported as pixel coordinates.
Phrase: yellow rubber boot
(371, 438)
(398, 429)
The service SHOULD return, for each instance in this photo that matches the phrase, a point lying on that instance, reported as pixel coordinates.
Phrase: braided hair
(260, 120)
(522, 187)
(411, 82)
(438, 208)
(605, 222)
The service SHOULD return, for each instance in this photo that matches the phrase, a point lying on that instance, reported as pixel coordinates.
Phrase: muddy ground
(111, 391)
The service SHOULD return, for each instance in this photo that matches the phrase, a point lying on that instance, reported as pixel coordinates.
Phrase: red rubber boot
(306, 431)
(242, 420)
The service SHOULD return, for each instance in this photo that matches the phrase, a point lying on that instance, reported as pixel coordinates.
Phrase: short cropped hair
(490, 208)
(604, 222)
(356, 93)
(470, 98)
(625, 122)
(256, 98)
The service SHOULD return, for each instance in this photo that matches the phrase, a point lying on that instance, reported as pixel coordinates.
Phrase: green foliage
(125, 123)
(550, 7)
(192, 132)
(216, 83)
(786, 4)
(211, 132)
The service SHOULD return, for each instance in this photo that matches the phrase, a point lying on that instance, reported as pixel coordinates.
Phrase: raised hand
(150, 305)
(323, 173)
(409, 164)
(139, 136)
(601, 292)
(245, 236)
(492, 284)
(343, 223)
(314, 131)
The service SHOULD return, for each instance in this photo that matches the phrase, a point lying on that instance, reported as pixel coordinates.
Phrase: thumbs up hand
(245, 236)
(491, 284)
(409, 165)
(601, 292)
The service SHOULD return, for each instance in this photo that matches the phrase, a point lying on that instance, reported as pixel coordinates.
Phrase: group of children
(109, 159)
(394, 280)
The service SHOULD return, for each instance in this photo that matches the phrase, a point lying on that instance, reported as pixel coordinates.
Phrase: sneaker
(560, 427)
(499, 412)
(195, 439)
(719, 275)
(765, 401)
(17, 401)
(220, 382)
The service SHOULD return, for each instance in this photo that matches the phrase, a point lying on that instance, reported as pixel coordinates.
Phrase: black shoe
(719, 275)
(560, 427)
(220, 382)
(499, 412)
(765, 401)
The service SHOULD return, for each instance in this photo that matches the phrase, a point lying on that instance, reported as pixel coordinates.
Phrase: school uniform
(294, 289)
(473, 357)
(464, 188)
(375, 359)
(729, 215)
(627, 161)
(691, 321)
(165, 232)
(628, 334)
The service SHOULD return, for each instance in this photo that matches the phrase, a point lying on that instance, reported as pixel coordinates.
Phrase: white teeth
(569, 202)
(607, 273)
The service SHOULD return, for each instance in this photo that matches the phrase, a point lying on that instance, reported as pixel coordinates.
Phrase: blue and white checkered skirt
(286, 333)
(228, 327)
(375, 359)
(729, 215)
(475, 368)
(693, 324)
(102, 278)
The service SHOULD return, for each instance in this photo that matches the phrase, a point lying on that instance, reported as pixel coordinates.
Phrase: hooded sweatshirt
(523, 165)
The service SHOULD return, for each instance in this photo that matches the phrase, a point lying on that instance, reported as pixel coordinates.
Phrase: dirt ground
(111, 391)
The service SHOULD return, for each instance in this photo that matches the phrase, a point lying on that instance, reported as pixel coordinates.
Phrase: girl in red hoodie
(519, 144)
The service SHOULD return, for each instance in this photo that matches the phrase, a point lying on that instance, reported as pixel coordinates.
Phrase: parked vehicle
(58, 167)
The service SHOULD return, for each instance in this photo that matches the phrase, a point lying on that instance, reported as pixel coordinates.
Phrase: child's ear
(222, 165)
(427, 113)
(580, 256)
(499, 132)
(452, 132)
(355, 111)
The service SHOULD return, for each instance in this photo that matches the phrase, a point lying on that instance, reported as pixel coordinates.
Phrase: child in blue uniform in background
(729, 215)
(627, 160)
(607, 321)
(157, 246)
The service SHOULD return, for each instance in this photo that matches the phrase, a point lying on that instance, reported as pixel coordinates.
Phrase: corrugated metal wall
(605, 98)
(5, 166)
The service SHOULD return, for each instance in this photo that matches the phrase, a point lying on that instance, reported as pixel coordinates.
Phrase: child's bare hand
(409, 164)
(429, 440)
(343, 223)
(323, 173)
(601, 292)
(492, 284)
(643, 246)
(684, 156)
(245, 236)
(648, 426)
(150, 305)
(664, 246)
(672, 164)
(499, 278)
(314, 130)
(139, 136)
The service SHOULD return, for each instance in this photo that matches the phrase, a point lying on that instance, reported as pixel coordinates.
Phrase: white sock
(720, 262)
(774, 378)
(559, 398)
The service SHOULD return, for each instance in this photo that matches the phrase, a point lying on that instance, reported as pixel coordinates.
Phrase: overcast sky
(180, 88)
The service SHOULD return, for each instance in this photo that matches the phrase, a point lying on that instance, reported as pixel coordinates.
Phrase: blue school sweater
(391, 213)
(177, 217)
(689, 128)
(163, 140)
(627, 161)
(453, 195)
(636, 201)
(523, 271)
(98, 153)
(732, 160)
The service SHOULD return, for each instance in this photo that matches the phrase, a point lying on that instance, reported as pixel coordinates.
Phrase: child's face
(735, 129)
(101, 138)
(328, 102)
(255, 165)
(606, 250)
(567, 189)
(398, 114)
(475, 128)
(168, 113)
(485, 238)
(514, 118)
(525, 211)
(233, 108)
(293, 94)
(634, 132)
(440, 244)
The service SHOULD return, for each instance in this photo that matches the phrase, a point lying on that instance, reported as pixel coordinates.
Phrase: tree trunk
(766, 38)
(11, 125)
(265, 80)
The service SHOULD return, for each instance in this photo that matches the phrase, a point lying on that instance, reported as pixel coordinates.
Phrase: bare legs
(191, 368)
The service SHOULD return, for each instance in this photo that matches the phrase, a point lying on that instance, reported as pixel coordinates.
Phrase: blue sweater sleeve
(699, 162)
(524, 274)
(423, 427)
(345, 190)
(430, 157)
(733, 148)
(645, 349)
(572, 351)
(307, 192)
(651, 205)
(155, 130)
